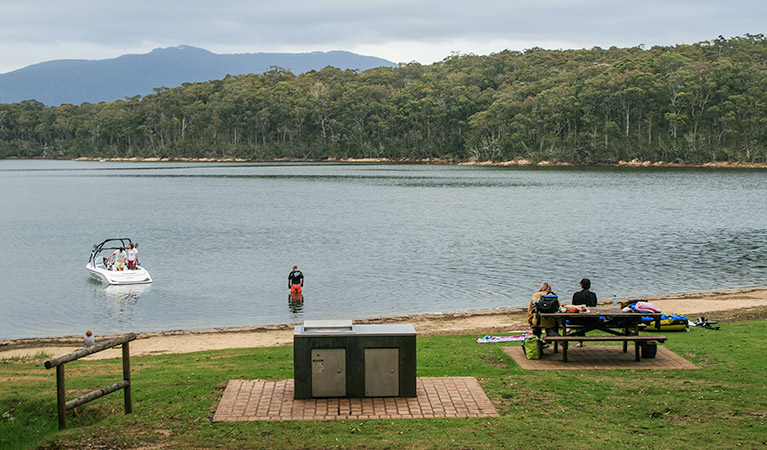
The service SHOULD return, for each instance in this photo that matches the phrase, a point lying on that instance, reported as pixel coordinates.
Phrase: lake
(373, 240)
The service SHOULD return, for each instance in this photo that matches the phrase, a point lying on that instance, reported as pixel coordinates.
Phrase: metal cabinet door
(329, 372)
(381, 372)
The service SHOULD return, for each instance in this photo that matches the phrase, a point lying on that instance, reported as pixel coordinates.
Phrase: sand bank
(719, 305)
(516, 162)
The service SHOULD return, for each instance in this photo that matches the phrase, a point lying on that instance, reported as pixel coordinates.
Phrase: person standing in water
(296, 284)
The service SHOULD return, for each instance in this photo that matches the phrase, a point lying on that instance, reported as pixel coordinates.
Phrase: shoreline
(724, 304)
(436, 161)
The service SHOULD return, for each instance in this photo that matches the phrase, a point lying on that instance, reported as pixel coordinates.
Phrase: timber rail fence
(125, 384)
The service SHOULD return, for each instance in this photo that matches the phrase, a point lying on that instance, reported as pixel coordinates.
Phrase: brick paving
(598, 357)
(257, 400)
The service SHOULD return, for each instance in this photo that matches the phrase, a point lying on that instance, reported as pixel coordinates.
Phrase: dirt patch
(742, 315)
(495, 362)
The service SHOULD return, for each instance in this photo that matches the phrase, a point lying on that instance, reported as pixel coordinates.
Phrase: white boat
(107, 273)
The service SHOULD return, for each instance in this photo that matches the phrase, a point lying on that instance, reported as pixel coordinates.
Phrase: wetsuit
(296, 282)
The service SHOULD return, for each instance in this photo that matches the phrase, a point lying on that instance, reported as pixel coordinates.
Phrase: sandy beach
(721, 305)
(515, 162)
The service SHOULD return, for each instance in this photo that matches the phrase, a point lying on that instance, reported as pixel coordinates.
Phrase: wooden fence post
(126, 377)
(61, 398)
(62, 405)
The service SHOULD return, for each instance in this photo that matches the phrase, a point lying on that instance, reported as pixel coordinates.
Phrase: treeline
(688, 103)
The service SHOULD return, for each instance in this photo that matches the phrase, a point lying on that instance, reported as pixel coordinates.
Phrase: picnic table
(620, 327)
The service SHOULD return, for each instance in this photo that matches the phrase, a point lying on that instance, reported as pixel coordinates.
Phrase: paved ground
(598, 357)
(256, 400)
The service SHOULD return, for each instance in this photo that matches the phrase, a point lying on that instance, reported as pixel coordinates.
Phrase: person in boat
(113, 258)
(132, 255)
(535, 320)
(119, 256)
(296, 284)
(105, 263)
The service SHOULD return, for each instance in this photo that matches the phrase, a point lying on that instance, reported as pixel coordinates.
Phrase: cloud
(399, 30)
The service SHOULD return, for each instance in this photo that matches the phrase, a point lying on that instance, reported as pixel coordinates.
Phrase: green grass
(721, 405)
(26, 358)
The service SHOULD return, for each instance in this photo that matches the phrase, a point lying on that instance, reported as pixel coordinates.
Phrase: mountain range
(76, 81)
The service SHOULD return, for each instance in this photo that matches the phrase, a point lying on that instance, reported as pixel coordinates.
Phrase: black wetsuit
(295, 277)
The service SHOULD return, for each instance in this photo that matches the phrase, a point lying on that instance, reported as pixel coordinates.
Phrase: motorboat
(102, 267)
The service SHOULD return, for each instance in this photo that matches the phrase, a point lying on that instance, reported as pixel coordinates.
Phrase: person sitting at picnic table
(585, 297)
(535, 320)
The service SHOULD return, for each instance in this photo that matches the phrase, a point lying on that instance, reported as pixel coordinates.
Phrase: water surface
(372, 240)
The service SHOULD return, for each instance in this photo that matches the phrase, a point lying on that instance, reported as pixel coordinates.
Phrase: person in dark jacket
(585, 296)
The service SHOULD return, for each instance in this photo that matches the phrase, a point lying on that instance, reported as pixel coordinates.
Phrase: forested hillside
(76, 81)
(689, 103)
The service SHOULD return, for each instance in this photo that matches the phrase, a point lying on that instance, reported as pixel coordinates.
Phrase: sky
(402, 31)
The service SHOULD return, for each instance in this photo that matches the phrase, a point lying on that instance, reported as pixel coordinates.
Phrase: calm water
(372, 240)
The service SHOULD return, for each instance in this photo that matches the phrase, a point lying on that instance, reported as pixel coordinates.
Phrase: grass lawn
(721, 405)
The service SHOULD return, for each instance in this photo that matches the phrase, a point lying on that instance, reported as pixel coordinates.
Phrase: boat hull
(119, 277)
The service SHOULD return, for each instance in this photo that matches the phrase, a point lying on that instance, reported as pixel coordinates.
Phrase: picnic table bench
(637, 340)
(618, 325)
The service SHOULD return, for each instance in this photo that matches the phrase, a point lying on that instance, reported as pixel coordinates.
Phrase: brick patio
(257, 400)
(598, 357)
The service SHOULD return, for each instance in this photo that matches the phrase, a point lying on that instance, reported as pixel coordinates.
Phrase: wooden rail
(125, 384)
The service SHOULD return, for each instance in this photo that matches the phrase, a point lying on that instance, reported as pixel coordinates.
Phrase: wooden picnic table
(620, 326)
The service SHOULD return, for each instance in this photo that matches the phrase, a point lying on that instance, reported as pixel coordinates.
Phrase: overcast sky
(33, 31)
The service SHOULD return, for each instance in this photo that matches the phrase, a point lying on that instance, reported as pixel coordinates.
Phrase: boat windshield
(109, 244)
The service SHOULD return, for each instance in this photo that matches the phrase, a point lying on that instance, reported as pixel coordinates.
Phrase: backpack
(548, 303)
(532, 347)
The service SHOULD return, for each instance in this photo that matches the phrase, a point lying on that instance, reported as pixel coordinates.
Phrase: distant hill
(76, 81)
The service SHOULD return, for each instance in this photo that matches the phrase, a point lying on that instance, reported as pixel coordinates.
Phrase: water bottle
(615, 301)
